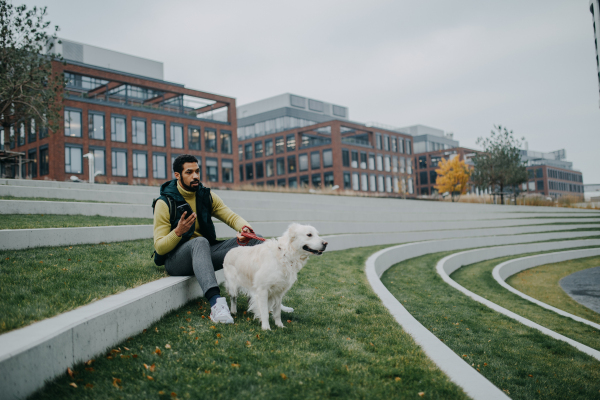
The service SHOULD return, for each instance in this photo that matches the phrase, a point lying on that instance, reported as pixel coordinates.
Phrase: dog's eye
(309, 234)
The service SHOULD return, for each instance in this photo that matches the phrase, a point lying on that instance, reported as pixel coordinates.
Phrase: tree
(29, 90)
(452, 177)
(499, 166)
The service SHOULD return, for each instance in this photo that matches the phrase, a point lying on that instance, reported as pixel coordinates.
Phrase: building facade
(133, 125)
(551, 175)
(427, 163)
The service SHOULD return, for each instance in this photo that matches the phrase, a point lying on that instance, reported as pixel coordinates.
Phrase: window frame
(135, 139)
(172, 127)
(155, 155)
(74, 146)
(91, 124)
(134, 165)
(71, 110)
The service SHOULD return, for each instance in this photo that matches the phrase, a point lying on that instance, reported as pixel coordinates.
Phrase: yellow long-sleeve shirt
(166, 240)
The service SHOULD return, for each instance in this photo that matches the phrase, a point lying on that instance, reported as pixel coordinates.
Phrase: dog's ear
(292, 230)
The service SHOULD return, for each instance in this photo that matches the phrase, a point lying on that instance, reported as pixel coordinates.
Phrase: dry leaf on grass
(421, 394)
(89, 369)
(283, 376)
(150, 378)
(73, 384)
(125, 348)
(158, 351)
(234, 365)
(397, 379)
(258, 373)
(152, 367)
(89, 385)
(248, 344)
(117, 383)
(70, 372)
(188, 319)
(167, 346)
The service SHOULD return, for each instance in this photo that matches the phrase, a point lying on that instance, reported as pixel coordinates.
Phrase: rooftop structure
(553, 158)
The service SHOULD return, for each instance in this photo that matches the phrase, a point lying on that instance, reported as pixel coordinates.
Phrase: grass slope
(52, 199)
(542, 283)
(340, 342)
(521, 361)
(38, 221)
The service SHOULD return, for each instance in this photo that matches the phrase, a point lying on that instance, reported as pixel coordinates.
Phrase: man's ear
(177, 175)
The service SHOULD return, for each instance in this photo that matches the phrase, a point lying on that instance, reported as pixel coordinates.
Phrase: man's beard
(190, 188)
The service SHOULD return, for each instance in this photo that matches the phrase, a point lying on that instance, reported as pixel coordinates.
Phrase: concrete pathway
(584, 287)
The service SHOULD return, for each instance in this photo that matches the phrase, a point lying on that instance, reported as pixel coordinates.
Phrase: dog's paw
(266, 328)
(280, 324)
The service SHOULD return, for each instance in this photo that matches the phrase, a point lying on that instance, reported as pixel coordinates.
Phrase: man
(190, 246)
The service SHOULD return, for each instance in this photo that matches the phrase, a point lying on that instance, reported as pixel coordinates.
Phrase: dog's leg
(233, 308)
(277, 312)
(262, 303)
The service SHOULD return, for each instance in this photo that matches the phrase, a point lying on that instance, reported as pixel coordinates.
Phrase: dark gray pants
(197, 257)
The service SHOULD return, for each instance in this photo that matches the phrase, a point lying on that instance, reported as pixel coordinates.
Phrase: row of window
(565, 187)
(377, 162)
(270, 166)
(73, 127)
(22, 134)
(271, 126)
(565, 176)
(434, 161)
(139, 162)
(377, 183)
(392, 143)
(29, 169)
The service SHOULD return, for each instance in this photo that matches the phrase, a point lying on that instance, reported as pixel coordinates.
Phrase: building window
(293, 183)
(259, 170)
(279, 145)
(258, 149)
(388, 184)
(99, 160)
(269, 168)
(316, 180)
(240, 152)
(386, 142)
(96, 126)
(364, 182)
(158, 134)
(210, 140)
(408, 148)
(159, 166)
(328, 179)
(212, 169)
(73, 159)
(227, 170)
(138, 131)
(539, 173)
(22, 134)
(380, 186)
(387, 164)
(194, 138)
(540, 185)
(372, 162)
(119, 162)
(327, 158)
(44, 160)
(291, 164)
(72, 123)
(423, 178)
(400, 145)
(422, 162)
(355, 181)
(379, 162)
(303, 162)
(346, 158)
(226, 143)
(140, 165)
(249, 172)
(269, 147)
(32, 133)
(393, 142)
(176, 136)
(32, 164)
(281, 182)
(118, 129)
(378, 140)
(394, 163)
(363, 160)
(347, 180)
(432, 177)
(315, 160)
(241, 173)
(280, 166)
(248, 151)
(304, 181)
(372, 183)
(291, 142)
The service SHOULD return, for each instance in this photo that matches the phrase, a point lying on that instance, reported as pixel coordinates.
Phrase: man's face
(189, 178)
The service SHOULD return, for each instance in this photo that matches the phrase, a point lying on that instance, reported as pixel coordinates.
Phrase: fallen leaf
(73, 384)
(149, 377)
(258, 373)
(531, 376)
(157, 351)
(234, 365)
(124, 356)
(70, 372)
(283, 376)
(146, 366)
(188, 319)
(244, 311)
(421, 394)
(206, 371)
(156, 329)
(173, 394)
(134, 355)
(189, 312)
(89, 369)
(289, 321)
(117, 383)
(485, 364)
(115, 351)
(397, 379)
(167, 346)
(203, 316)
(216, 342)
(196, 338)
(161, 392)
(248, 343)
(152, 367)
(125, 348)
(89, 385)
(219, 335)
(213, 327)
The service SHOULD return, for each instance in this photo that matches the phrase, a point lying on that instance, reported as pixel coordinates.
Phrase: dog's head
(304, 238)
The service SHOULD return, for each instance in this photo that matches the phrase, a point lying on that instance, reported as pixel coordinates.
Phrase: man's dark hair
(179, 161)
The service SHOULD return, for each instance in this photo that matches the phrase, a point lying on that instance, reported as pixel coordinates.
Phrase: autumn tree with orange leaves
(452, 177)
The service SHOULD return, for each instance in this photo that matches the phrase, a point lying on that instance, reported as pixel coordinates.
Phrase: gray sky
(461, 66)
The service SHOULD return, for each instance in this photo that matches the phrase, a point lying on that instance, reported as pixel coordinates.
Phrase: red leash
(250, 235)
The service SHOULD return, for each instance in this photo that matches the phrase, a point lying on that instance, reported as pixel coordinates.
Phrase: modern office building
(551, 175)
(427, 163)
(119, 109)
(290, 140)
(595, 10)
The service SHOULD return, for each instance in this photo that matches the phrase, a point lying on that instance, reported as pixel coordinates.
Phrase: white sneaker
(286, 309)
(220, 312)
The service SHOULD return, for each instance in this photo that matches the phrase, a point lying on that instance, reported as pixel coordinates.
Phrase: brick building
(134, 125)
(427, 163)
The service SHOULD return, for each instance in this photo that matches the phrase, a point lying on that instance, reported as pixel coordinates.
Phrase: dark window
(118, 129)
(281, 182)
(32, 132)
(249, 172)
(259, 170)
(269, 147)
(291, 142)
(241, 172)
(346, 158)
(327, 158)
(119, 162)
(423, 178)
(408, 147)
(279, 145)
(176, 136)
(140, 165)
(328, 179)
(280, 166)
(194, 141)
(315, 160)
(291, 164)
(422, 162)
(316, 180)
(240, 152)
(248, 151)
(32, 164)
(226, 143)
(363, 160)
(425, 190)
(386, 142)
(258, 149)
(44, 160)
(539, 173)
(378, 140)
(540, 185)
(347, 181)
(96, 126)
(530, 173)
(72, 123)
(432, 177)
(304, 181)
(212, 169)
(293, 182)
(227, 169)
(269, 168)
(210, 140)
(138, 131)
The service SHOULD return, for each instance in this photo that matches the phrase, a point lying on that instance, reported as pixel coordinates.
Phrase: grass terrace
(53, 199)
(38, 221)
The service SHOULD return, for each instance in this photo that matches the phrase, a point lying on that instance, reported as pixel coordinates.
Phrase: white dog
(267, 271)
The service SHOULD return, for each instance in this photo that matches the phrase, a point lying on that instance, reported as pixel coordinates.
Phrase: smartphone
(185, 208)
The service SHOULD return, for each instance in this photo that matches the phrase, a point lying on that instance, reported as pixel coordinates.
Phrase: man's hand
(243, 239)
(185, 224)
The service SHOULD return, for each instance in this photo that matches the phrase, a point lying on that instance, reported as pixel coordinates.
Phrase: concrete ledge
(506, 269)
(451, 263)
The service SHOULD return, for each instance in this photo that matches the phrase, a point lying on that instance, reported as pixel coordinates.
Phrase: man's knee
(200, 243)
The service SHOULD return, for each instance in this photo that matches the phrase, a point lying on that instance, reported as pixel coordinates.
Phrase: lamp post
(92, 176)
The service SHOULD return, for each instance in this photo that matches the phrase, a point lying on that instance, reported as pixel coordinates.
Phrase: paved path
(584, 287)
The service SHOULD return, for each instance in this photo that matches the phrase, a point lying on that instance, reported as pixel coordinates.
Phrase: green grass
(523, 362)
(39, 283)
(542, 283)
(340, 342)
(37, 221)
(52, 199)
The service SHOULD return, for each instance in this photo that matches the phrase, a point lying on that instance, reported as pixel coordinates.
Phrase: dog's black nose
(325, 245)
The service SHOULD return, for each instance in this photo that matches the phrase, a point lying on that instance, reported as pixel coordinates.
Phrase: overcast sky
(461, 66)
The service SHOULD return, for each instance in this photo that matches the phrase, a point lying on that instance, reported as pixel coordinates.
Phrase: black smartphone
(185, 208)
